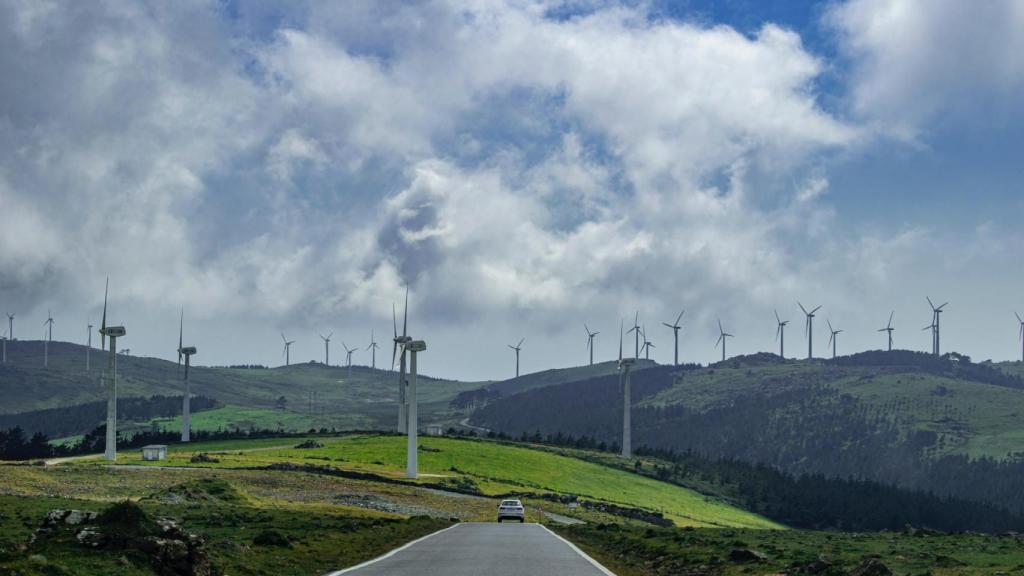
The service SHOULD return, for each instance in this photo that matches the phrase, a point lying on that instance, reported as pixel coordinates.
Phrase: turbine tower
(4, 339)
(888, 328)
(88, 344)
(186, 398)
(10, 326)
(675, 333)
(936, 311)
(809, 329)
(401, 341)
(113, 332)
(636, 335)
(327, 348)
(287, 353)
(373, 347)
(624, 384)
(517, 348)
(49, 337)
(721, 338)
(412, 440)
(348, 357)
(1021, 337)
(590, 342)
(832, 340)
(780, 334)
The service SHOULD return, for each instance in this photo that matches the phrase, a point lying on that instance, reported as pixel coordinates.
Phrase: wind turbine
(186, 399)
(517, 348)
(327, 348)
(10, 326)
(401, 341)
(348, 357)
(833, 340)
(46, 343)
(647, 345)
(287, 350)
(809, 329)
(624, 383)
(590, 342)
(780, 334)
(721, 338)
(675, 333)
(936, 311)
(1021, 337)
(113, 332)
(636, 334)
(888, 328)
(373, 351)
(88, 345)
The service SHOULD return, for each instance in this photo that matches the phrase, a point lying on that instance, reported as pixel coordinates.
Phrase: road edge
(576, 549)
(391, 552)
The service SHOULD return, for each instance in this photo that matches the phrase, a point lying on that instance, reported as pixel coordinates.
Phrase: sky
(524, 166)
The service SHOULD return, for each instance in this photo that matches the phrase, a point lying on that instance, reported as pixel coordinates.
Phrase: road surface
(472, 549)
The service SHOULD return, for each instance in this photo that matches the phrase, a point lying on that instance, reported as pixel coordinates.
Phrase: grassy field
(631, 551)
(489, 467)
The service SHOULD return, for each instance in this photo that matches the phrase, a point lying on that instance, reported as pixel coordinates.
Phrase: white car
(512, 510)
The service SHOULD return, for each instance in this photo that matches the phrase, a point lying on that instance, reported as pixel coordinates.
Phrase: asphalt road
(474, 549)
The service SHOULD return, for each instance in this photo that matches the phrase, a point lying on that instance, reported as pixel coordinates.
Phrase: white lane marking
(595, 563)
(392, 553)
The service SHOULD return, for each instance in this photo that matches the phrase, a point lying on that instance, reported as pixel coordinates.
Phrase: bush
(271, 538)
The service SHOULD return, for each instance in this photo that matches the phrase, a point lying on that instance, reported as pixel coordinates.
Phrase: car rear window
(511, 503)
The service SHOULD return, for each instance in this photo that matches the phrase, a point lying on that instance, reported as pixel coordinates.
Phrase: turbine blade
(103, 326)
(1018, 318)
(621, 322)
(680, 317)
(891, 314)
(802, 307)
(405, 314)
(816, 309)
(666, 324)
(777, 319)
(930, 302)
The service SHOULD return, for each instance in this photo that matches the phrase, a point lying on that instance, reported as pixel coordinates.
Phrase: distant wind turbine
(10, 326)
(833, 338)
(721, 338)
(888, 328)
(809, 329)
(287, 350)
(186, 398)
(636, 334)
(1021, 337)
(327, 348)
(517, 348)
(373, 347)
(590, 342)
(780, 334)
(401, 341)
(624, 384)
(88, 344)
(49, 337)
(675, 334)
(647, 345)
(348, 357)
(936, 311)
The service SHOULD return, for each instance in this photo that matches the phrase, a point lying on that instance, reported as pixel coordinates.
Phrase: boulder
(871, 567)
(746, 555)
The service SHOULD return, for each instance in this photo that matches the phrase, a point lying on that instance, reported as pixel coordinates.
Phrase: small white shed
(435, 430)
(154, 452)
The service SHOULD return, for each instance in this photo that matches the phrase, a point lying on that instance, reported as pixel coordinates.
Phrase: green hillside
(366, 400)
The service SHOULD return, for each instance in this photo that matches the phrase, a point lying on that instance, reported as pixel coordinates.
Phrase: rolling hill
(940, 424)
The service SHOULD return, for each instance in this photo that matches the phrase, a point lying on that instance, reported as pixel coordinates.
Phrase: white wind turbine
(400, 342)
(186, 398)
(675, 334)
(721, 338)
(348, 357)
(590, 342)
(624, 384)
(287, 350)
(112, 332)
(517, 348)
(327, 348)
(373, 347)
(49, 337)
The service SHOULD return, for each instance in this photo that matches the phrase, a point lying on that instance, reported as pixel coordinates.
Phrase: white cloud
(519, 172)
(916, 62)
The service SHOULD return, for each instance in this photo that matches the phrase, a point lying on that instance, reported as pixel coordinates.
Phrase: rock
(203, 457)
(746, 555)
(76, 517)
(55, 517)
(818, 566)
(91, 537)
(871, 567)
